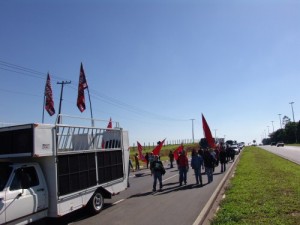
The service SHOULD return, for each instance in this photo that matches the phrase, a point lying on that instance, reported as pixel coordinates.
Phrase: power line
(97, 95)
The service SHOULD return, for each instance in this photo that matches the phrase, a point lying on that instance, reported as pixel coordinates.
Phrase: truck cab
(51, 170)
(23, 192)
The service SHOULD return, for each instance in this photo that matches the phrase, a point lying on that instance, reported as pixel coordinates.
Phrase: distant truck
(51, 170)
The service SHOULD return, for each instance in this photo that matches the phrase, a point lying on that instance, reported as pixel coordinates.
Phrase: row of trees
(289, 134)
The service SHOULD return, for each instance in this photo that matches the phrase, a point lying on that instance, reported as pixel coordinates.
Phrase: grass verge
(264, 190)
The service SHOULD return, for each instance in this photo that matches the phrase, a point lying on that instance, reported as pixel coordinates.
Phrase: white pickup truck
(51, 170)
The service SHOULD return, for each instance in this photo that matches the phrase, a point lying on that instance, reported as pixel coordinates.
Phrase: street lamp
(294, 121)
(215, 135)
(280, 120)
(292, 110)
(193, 130)
(273, 126)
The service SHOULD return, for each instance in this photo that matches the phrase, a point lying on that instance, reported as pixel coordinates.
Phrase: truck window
(5, 172)
(29, 177)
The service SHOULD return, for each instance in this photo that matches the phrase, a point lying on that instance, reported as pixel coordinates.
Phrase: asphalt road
(291, 153)
(139, 205)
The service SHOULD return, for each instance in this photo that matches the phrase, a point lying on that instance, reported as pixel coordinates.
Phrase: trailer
(51, 170)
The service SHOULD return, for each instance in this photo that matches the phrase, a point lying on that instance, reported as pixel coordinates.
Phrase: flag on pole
(109, 125)
(140, 150)
(177, 151)
(81, 86)
(157, 149)
(49, 106)
(207, 133)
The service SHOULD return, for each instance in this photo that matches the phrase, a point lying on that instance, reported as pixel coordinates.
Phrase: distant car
(235, 148)
(280, 144)
(273, 143)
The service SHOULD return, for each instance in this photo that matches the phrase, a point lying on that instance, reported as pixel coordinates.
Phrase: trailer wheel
(96, 203)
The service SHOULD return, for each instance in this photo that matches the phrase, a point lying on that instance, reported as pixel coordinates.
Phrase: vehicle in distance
(235, 148)
(273, 143)
(280, 144)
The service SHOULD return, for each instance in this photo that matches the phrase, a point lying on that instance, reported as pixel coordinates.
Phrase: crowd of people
(203, 159)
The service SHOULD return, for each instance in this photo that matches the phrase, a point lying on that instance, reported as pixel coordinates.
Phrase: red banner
(157, 149)
(140, 150)
(207, 133)
(177, 151)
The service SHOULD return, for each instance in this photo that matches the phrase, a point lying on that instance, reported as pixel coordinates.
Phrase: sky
(154, 65)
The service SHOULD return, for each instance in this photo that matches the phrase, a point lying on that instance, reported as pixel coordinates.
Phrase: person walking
(157, 170)
(171, 158)
(209, 164)
(137, 163)
(183, 166)
(197, 164)
(147, 159)
(151, 158)
(129, 168)
(222, 157)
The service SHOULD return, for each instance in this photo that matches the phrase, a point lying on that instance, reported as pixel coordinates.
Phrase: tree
(285, 121)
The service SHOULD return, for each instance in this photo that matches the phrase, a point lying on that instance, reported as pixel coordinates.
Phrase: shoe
(154, 190)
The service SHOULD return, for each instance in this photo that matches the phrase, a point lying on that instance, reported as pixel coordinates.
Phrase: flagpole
(44, 108)
(91, 107)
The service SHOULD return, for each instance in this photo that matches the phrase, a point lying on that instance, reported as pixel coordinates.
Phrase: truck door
(26, 194)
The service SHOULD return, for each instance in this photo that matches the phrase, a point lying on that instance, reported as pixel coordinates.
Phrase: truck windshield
(5, 171)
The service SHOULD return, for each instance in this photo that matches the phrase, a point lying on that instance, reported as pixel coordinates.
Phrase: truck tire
(96, 203)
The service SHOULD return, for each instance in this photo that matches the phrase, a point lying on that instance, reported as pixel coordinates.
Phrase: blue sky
(154, 65)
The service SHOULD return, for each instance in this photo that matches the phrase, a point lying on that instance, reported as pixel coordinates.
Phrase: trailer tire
(96, 203)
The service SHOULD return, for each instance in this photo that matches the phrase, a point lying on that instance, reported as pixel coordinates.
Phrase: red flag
(140, 150)
(177, 151)
(109, 125)
(81, 86)
(49, 106)
(207, 133)
(157, 149)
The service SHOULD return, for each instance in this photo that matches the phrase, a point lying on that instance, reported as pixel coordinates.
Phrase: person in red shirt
(183, 166)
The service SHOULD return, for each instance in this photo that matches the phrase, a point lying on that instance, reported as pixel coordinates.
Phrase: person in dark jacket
(157, 170)
(197, 164)
(171, 158)
(222, 157)
(209, 163)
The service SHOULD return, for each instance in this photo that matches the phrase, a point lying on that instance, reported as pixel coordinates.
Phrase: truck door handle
(41, 189)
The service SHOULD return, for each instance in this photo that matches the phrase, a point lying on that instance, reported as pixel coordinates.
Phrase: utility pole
(61, 94)
(273, 126)
(268, 130)
(193, 130)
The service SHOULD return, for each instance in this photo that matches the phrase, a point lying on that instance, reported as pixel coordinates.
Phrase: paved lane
(291, 153)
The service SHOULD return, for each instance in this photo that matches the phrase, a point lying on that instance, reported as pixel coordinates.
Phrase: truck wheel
(96, 203)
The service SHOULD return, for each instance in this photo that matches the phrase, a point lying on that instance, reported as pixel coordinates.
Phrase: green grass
(264, 190)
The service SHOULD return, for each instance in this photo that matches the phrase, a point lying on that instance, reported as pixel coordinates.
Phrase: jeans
(198, 175)
(223, 167)
(157, 176)
(209, 172)
(182, 175)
